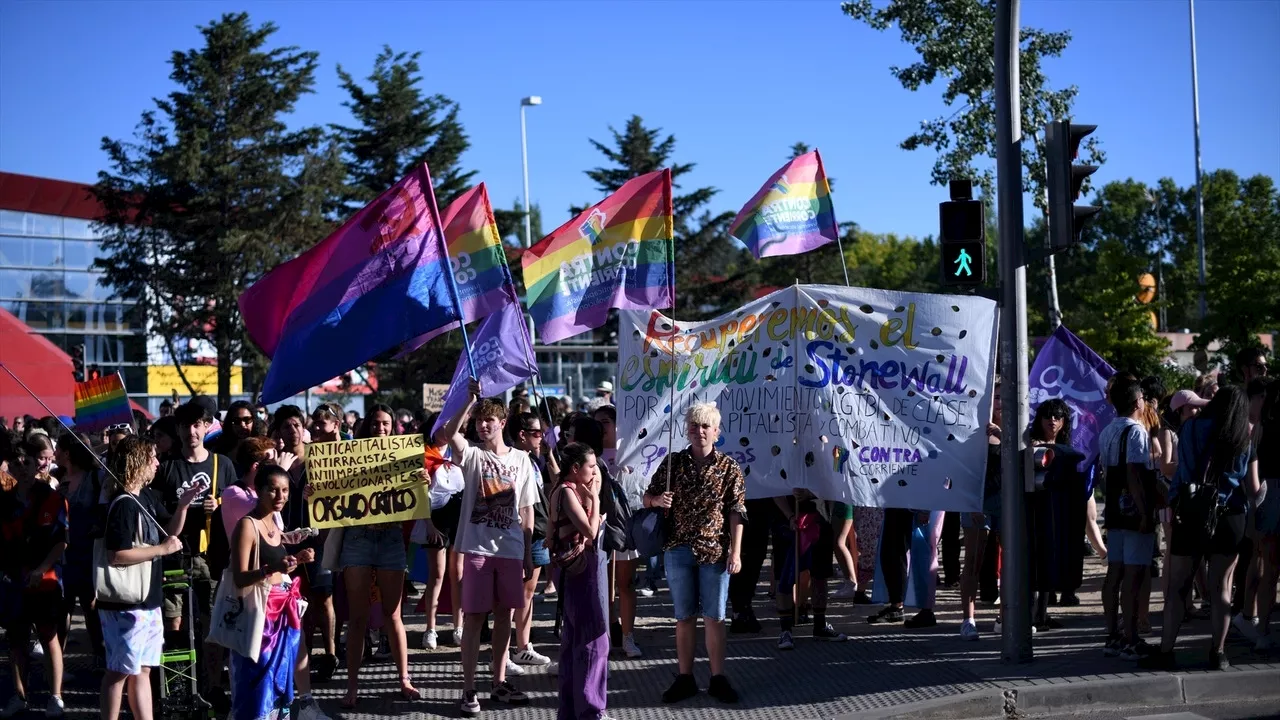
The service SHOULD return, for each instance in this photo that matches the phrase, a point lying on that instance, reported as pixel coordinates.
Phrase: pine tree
(398, 128)
(711, 273)
(214, 189)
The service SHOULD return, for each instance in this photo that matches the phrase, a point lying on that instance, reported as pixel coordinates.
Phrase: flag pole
(671, 275)
(839, 241)
(452, 281)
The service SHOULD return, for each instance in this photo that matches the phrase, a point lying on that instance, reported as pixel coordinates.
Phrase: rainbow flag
(791, 214)
(617, 254)
(477, 260)
(102, 403)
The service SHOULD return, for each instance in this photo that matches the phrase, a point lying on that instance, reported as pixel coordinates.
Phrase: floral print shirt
(704, 497)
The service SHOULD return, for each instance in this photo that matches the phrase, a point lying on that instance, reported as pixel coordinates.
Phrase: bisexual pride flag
(101, 403)
(1066, 368)
(617, 254)
(476, 259)
(791, 214)
(378, 281)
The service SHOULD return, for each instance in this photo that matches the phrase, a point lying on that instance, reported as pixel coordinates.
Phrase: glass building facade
(47, 280)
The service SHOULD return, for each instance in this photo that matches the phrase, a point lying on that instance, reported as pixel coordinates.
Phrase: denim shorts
(696, 587)
(541, 556)
(1130, 547)
(380, 548)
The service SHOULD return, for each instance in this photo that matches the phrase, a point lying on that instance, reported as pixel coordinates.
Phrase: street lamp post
(524, 163)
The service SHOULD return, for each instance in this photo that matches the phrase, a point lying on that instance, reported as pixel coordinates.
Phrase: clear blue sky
(737, 83)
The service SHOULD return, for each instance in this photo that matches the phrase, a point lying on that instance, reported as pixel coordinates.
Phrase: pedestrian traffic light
(77, 362)
(1066, 219)
(963, 233)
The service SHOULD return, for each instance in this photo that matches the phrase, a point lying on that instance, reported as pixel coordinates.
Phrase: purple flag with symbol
(503, 358)
(1066, 368)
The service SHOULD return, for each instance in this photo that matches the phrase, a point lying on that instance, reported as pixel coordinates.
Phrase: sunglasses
(244, 419)
(120, 427)
(531, 431)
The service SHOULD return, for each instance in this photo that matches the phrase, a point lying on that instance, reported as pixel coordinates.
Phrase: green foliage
(214, 189)
(398, 128)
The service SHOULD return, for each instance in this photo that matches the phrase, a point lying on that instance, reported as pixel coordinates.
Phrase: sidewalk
(881, 672)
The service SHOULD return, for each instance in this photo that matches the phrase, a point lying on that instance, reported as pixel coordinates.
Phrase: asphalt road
(1249, 710)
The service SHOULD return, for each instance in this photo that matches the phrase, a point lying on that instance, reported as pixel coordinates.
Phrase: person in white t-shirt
(495, 535)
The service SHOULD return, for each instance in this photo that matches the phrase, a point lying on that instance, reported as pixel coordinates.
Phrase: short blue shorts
(1130, 547)
(541, 556)
(380, 548)
(696, 589)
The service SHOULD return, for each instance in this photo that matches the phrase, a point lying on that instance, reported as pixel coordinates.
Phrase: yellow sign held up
(164, 379)
(366, 482)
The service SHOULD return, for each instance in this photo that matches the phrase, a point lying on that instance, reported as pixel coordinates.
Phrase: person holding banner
(977, 525)
(375, 555)
(705, 492)
(496, 538)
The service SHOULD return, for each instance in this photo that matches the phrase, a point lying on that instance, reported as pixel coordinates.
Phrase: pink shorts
(490, 583)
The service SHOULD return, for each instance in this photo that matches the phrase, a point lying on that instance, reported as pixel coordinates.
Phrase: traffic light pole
(1015, 588)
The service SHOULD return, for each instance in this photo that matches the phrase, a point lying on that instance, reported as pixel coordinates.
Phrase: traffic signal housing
(1066, 219)
(963, 237)
(77, 362)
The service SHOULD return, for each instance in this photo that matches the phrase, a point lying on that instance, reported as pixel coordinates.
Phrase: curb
(1065, 697)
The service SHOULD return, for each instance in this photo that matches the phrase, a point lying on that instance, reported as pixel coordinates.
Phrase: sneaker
(721, 690)
(55, 708)
(645, 592)
(889, 614)
(310, 710)
(514, 670)
(861, 598)
(683, 688)
(1248, 627)
(505, 692)
(457, 636)
(430, 640)
(847, 591)
(13, 707)
(529, 656)
(1136, 650)
(1158, 660)
(828, 633)
(744, 622)
(785, 641)
(1218, 661)
(1113, 647)
(629, 647)
(922, 619)
(469, 705)
(968, 630)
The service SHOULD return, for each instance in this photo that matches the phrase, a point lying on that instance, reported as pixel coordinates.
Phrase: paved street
(879, 669)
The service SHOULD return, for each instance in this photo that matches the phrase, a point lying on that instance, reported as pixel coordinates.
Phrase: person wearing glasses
(528, 437)
(238, 425)
(1252, 364)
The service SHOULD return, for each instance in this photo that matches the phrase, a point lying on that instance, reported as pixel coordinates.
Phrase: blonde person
(706, 498)
(375, 554)
(134, 634)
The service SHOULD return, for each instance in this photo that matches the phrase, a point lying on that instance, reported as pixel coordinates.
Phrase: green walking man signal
(963, 229)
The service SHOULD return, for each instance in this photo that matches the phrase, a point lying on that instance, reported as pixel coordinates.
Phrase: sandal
(407, 690)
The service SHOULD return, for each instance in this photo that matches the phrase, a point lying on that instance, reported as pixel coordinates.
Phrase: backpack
(617, 521)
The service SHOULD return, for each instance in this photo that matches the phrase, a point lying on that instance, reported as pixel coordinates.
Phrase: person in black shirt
(193, 466)
(134, 634)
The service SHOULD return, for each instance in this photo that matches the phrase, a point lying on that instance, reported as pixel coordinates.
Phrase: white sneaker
(968, 630)
(1248, 627)
(514, 670)
(998, 627)
(311, 711)
(469, 704)
(430, 640)
(646, 592)
(529, 656)
(55, 708)
(629, 647)
(846, 591)
(13, 707)
(457, 636)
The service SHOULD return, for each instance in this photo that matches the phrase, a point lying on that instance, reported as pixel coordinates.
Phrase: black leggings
(894, 543)
(755, 546)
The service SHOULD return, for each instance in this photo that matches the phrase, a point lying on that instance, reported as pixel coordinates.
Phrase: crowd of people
(527, 507)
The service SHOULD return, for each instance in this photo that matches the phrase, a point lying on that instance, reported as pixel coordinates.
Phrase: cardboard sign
(366, 482)
(433, 396)
(867, 397)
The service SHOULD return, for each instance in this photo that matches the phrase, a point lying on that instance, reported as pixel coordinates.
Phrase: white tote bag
(124, 584)
(239, 614)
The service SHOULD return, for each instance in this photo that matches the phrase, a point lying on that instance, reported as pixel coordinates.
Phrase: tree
(215, 189)
(399, 128)
(511, 223)
(699, 235)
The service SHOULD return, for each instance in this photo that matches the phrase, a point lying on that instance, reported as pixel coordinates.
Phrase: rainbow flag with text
(791, 214)
(101, 403)
(618, 253)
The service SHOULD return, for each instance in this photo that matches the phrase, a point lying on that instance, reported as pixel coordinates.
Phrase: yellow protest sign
(369, 481)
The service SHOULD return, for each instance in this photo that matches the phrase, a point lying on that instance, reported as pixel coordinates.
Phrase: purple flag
(503, 358)
(1066, 368)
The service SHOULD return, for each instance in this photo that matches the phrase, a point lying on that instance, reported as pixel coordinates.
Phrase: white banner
(869, 397)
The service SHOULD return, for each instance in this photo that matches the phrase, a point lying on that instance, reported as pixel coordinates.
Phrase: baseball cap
(1183, 398)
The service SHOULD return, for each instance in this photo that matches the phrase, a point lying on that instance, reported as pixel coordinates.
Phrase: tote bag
(123, 584)
(240, 614)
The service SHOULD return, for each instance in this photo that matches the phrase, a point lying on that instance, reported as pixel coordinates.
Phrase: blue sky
(737, 83)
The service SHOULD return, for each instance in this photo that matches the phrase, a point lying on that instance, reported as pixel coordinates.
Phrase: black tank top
(269, 555)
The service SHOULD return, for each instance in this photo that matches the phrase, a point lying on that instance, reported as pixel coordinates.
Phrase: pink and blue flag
(503, 358)
(379, 280)
(791, 214)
